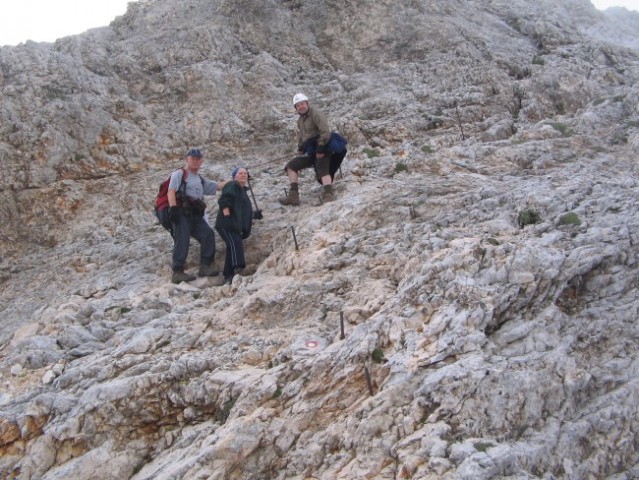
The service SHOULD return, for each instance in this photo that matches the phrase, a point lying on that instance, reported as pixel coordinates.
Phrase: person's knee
(205, 235)
(322, 169)
(290, 166)
(297, 164)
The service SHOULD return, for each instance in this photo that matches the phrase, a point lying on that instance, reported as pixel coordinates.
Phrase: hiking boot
(327, 194)
(228, 280)
(293, 197)
(179, 277)
(208, 271)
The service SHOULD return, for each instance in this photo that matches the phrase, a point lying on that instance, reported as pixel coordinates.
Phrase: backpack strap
(182, 189)
(180, 193)
(185, 175)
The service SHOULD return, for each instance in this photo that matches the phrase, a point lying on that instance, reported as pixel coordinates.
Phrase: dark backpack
(337, 146)
(337, 143)
(162, 200)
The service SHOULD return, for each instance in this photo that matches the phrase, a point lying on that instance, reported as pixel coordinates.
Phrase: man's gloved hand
(226, 223)
(174, 214)
(257, 215)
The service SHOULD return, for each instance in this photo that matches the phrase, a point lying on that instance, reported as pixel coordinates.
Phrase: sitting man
(313, 135)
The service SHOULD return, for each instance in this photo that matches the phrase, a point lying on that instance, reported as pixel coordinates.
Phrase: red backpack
(162, 200)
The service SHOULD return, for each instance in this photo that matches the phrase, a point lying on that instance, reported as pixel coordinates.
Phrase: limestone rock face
(466, 309)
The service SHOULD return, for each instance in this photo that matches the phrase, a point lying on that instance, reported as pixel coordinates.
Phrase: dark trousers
(192, 226)
(234, 252)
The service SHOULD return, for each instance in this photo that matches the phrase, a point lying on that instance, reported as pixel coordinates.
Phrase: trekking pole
(257, 214)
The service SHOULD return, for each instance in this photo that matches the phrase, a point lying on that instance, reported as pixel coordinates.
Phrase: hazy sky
(48, 20)
(603, 4)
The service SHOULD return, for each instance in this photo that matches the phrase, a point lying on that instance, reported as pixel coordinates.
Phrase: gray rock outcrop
(481, 257)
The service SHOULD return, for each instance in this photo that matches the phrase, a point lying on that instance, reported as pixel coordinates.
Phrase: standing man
(186, 212)
(234, 222)
(313, 134)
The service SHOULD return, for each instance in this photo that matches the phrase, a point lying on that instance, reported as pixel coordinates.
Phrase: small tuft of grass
(377, 355)
(482, 446)
(570, 218)
(223, 414)
(371, 152)
(118, 308)
(277, 393)
(528, 217)
(538, 60)
(427, 149)
(400, 167)
(562, 128)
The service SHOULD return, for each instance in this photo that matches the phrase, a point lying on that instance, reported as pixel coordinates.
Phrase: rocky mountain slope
(465, 310)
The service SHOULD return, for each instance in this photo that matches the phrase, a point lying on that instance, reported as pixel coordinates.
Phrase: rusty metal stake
(368, 381)
(459, 122)
(294, 238)
(341, 326)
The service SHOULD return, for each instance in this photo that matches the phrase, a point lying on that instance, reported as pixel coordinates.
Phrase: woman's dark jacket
(234, 197)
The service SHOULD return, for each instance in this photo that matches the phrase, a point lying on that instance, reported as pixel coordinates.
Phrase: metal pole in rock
(294, 238)
(341, 326)
(368, 381)
(460, 124)
(257, 214)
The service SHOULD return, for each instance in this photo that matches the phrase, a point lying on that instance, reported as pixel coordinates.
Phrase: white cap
(299, 97)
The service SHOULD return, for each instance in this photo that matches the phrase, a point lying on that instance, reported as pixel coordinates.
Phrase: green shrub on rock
(569, 218)
(528, 217)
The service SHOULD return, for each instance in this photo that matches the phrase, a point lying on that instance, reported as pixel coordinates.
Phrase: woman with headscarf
(234, 221)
